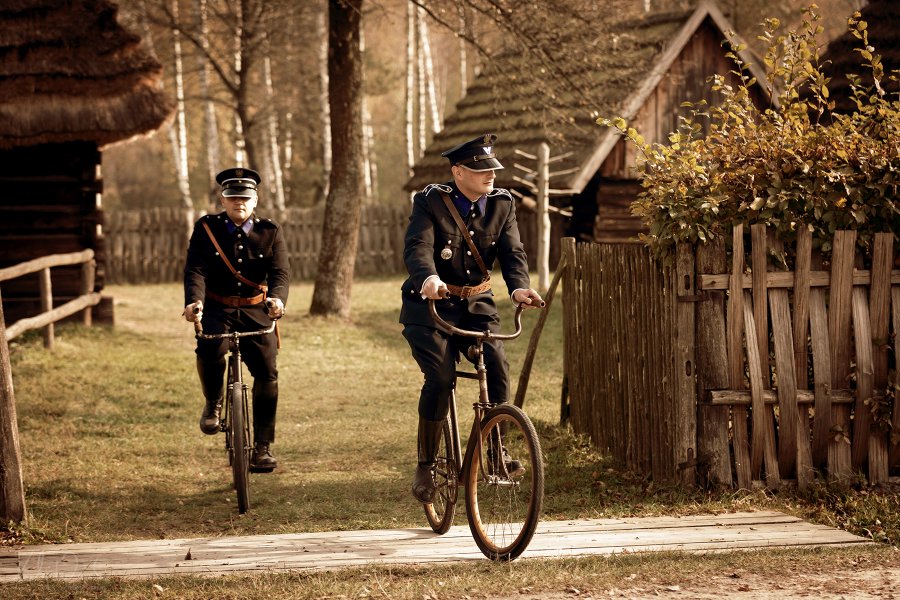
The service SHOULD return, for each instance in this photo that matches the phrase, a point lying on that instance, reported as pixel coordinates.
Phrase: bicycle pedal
(261, 469)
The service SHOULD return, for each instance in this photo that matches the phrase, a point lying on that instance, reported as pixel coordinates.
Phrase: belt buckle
(465, 291)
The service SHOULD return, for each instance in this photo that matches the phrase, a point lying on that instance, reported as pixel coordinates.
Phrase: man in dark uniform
(439, 259)
(237, 275)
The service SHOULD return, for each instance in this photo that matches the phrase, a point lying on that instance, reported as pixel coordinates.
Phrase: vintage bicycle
(502, 470)
(234, 421)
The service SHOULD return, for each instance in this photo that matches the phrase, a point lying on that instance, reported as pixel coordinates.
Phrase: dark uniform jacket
(432, 229)
(260, 256)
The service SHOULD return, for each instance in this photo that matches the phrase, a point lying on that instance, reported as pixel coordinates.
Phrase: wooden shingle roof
(70, 72)
(611, 76)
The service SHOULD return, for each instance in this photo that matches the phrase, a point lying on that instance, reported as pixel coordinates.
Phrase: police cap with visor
(238, 182)
(476, 155)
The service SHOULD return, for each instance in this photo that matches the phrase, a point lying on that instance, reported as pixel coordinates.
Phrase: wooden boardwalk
(336, 549)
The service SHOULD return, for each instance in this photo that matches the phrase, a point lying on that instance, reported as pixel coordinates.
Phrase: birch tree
(340, 231)
(210, 125)
(274, 151)
(428, 68)
(410, 87)
(368, 149)
(322, 30)
(181, 163)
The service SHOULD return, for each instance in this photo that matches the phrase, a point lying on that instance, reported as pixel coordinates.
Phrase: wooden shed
(71, 81)
(642, 67)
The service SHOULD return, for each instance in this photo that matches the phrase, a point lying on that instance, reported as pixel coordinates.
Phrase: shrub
(792, 164)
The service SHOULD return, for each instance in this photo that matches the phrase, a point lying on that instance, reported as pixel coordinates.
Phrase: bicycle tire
(439, 513)
(225, 418)
(240, 466)
(502, 508)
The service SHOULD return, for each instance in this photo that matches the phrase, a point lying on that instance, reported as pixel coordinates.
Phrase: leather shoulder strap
(462, 227)
(234, 272)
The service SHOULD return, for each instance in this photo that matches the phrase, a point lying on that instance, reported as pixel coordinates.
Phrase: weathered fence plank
(712, 374)
(735, 314)
(839, 312)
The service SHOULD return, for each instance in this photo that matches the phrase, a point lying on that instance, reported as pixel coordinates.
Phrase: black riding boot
(212, 380)
(423, 487)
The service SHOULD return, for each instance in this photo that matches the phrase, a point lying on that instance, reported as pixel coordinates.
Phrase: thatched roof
(70, 72)
(883, 23)
(616, 71)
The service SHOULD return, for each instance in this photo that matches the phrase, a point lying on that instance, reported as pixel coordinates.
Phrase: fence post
(712, 372)
(569, 301)
(543, 217)
(12, 491)
(685, 356)
(46, 289)
(88, 269)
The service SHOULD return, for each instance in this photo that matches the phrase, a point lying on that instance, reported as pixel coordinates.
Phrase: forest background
(250, 79)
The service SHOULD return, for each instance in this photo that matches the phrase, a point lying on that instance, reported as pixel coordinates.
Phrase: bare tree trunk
(181, 165)
(340, 231)
(240, 142)
(324, 103)
(410, 87)
(420, 68)
(368, 159)
(436, 119)
(209, 111)
(274, 152)
(463, 58)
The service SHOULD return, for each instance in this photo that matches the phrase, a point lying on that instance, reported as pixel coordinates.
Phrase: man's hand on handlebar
(193, 312)
(434, 289)
(527, 298)
(274, 308)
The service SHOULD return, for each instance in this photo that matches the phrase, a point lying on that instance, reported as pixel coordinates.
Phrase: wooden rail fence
(733, 365)
(49, 314)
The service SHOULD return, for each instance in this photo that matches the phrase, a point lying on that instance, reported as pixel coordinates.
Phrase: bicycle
(235, 419)
(503, 496)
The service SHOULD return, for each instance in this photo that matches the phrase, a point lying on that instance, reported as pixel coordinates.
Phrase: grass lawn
(111, 447)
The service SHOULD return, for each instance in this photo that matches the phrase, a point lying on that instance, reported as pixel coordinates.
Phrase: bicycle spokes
(505, 484)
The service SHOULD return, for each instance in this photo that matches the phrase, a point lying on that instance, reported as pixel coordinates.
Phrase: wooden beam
(45, 262)
(60, 312)
(12, 490)
(785, 279)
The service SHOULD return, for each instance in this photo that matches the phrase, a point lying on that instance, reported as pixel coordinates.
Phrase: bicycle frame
(235, 419)
(473, 445)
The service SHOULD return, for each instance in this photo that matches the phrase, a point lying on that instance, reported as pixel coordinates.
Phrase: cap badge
(446, 253)
(487, 138)
(238, 172)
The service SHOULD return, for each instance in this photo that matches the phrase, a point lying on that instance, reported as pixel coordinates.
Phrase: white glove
(431, 286)
(530, 298)
(193, 312)
(275, 308)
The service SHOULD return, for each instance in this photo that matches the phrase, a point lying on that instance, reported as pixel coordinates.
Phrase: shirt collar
(463, 204)
(246, 227)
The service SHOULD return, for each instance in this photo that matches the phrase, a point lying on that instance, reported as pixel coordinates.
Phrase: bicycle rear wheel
(440, 512)
(240, 464)
(503, 503)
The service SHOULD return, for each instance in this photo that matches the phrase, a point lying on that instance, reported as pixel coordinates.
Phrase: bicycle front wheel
(240, 465)
(446, 475)
(505, 484)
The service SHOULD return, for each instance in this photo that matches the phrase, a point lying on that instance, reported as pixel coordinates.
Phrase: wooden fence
(49, 314)
(150, 246)
(748, 374)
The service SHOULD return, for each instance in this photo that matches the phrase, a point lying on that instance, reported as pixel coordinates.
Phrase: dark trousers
(258, 352)
(436, 353)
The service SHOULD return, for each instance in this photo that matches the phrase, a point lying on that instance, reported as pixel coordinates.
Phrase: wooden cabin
(71, 81)
(643, 66)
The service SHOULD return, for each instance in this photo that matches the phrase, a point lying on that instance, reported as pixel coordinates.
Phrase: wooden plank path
(337, 549)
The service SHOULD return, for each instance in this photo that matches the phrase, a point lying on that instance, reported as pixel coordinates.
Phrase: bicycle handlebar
(198, 327)
(452, 329)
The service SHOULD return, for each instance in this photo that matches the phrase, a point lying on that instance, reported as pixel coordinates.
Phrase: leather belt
(466, 291)
(236, 301)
